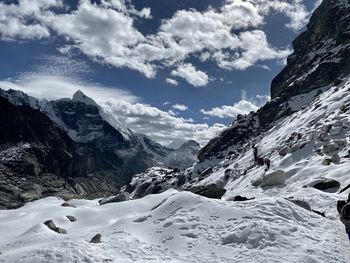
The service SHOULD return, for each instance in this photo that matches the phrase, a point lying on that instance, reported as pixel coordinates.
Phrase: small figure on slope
(343, 208)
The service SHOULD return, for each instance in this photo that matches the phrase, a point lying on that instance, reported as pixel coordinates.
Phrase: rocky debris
(155, 180)
(115, 199)
(65, 204)
(273, 178)
(51, 225)
(71, 218)
(96, 239)
(329, 148)
(284, 151)
(326, 184)
(209, 191)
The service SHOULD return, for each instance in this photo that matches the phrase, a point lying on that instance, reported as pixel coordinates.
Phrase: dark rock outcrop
(327, 184)
(321, 54)
(210, 191)
(115, 199)
(51, 225)
(96, 239)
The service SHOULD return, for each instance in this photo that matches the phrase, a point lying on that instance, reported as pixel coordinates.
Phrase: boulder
(329, 148)
(71, 218)
(51, 225)
(273, 178)
(324, 137)
(335, 158)
(210, 191)
(327, 161)
(115, 199)
(239, 198)
(96, 239)
(326, 184)
(65, 204)
(284, 151)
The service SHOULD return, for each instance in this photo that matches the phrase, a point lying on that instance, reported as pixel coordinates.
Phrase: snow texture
(170, 227)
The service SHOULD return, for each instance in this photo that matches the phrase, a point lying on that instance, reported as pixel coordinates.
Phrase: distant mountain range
(75, 148)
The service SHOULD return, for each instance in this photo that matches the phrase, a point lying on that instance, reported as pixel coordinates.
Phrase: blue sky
(170, 69)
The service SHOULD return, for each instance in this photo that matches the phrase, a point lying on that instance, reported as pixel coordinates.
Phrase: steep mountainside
(321, 59)
(38, 159)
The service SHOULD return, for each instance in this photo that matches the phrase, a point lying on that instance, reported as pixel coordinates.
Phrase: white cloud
(162, 126)
(172, 81)
(244, 106)
(180, 107)
(193, 76)
(105, 32)
(241, 107)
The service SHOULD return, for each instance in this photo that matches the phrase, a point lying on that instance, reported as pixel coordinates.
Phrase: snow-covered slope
(299, 145)
(170, 227)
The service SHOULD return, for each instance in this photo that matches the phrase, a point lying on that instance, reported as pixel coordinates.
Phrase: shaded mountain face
(38, 159)
(321, 54)
(320, 60)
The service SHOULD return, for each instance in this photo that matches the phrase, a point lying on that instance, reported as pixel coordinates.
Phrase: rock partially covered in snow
(115, 199)
(271, 179)
(51, 225)
(331, 147)
(210, 191)
(326, 184)
(284, 151)
(96, 239)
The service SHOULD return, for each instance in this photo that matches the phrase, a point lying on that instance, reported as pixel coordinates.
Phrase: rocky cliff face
(320, 60)
(321, 54)
(38, 159)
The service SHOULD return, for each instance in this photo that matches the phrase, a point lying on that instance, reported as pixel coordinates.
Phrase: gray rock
(71, 218)
(326, 184)
(335, 158)
(51, 225)
(65, 204)
(324, 137)
(329, 148)
(210, 191)
(96, 239)
(327, 161)
(115, 199)
(284, 151)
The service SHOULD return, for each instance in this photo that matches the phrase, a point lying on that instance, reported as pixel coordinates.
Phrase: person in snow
(343, 208)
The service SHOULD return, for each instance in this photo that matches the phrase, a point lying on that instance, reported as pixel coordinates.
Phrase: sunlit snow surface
(171, 227)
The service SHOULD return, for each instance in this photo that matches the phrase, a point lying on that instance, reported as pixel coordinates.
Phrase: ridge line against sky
(190, 45)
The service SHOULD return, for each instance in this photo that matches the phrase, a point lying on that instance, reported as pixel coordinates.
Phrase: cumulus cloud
(244, 106)
(162, 126)
(193, 76)
(180, 107)
(172, 81)
(230, 35)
